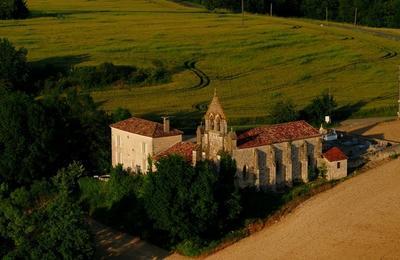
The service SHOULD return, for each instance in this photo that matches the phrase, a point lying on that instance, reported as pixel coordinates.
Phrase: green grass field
(248, 65)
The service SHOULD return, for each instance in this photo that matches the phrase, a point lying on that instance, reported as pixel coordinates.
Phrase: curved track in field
(204, 80)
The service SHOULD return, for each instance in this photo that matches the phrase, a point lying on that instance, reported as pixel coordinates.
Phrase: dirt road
(112, 244)
(359, 218)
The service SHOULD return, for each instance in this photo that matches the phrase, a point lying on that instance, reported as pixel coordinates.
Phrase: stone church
(267, 157)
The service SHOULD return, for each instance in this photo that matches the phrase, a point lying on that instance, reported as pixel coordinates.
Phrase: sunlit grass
(247, 64)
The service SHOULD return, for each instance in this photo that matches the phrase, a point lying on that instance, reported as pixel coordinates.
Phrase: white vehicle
(331, 135)
(104, 177)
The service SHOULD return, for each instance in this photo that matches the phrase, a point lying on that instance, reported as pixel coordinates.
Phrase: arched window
(244, 172)
(211, 118)
(217, 123)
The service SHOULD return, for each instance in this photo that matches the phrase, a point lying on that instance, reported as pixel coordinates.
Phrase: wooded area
(379, 13)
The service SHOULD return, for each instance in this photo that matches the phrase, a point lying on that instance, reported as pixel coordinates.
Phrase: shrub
(117, 201)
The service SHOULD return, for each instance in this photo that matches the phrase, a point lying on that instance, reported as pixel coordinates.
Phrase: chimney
(166, 124)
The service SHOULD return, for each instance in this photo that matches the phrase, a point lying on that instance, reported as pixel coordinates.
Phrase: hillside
(249, 65)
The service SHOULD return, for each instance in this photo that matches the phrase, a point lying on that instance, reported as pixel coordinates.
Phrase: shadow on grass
(186, 121)
(63, 15)
(346, 111)
(54, 66)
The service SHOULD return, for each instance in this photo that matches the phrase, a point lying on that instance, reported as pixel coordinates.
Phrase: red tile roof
(334, 154)
(144, 127)
(279, 133)
(184, 149)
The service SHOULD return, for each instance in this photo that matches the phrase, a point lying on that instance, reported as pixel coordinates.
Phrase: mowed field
(248, 65)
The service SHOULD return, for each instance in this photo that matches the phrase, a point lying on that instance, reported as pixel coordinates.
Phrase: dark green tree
(42, 221)
(13, 9)
(37, 137)
(283, 111)
(319, 107)
(120, 114)
(14, 70)
(24, 139)
(191, 203)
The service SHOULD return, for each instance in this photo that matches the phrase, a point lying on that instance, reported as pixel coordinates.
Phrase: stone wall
(277, 165)
(335, 170)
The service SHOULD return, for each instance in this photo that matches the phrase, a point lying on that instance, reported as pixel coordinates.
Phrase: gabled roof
(184, 149)
(215, 107)
(279, 133)
(144, 127)
(334, 154)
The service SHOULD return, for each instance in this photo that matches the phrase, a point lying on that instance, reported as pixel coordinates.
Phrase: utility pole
(355, 17)
(326, 15)
(242, 12)
(398, 101)
(270, 9)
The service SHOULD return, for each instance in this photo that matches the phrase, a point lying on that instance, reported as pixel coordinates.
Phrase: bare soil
(359, 218)
(373, 127)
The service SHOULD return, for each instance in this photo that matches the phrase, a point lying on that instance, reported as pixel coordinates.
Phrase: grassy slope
(247, 64)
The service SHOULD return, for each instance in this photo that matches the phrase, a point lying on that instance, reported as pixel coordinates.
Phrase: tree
(120, 114)
(13, 66)
(320, 107)
(189, 203)
(283, 111)
(24, 139)
(42, 221)
(38, 137)
(13, 9)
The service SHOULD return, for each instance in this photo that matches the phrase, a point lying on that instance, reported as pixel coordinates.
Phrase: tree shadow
(54, 66)
(186, 121)
(346, 111)
(61, 15)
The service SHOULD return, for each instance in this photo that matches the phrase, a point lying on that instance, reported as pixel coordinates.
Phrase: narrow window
(338, 165)
(144, 146)
(244, 172)
(120, 158)
(278, 166)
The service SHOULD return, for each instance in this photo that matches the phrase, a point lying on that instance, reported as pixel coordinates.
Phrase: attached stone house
(134, 140)
(335, 162)
(267, 157)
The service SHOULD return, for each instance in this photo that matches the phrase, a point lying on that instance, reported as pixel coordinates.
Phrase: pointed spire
(215, 106)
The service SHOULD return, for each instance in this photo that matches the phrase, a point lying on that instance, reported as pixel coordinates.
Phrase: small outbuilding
(336, 163)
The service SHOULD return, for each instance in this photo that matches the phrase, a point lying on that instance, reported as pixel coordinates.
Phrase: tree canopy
(188, 202)
(13, 9)
(282, 111)
(14, 70)
(43, 221)
(381, 13)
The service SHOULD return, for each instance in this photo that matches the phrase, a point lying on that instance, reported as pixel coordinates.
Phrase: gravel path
(359, 218)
